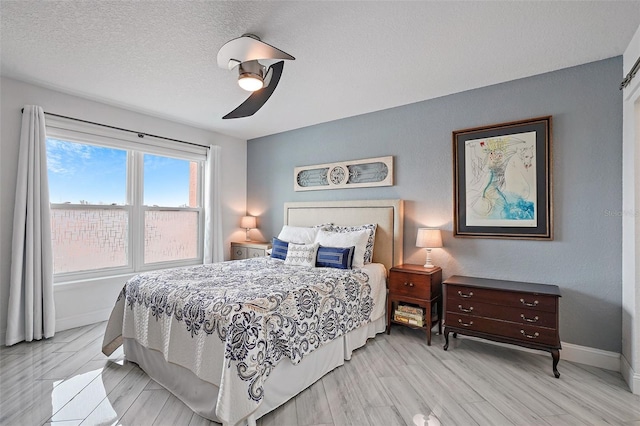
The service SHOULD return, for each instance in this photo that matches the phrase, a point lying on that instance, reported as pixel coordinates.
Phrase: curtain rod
(140, 134)
(630, 75)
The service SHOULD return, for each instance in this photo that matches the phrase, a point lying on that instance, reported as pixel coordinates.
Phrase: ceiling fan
(244, 53)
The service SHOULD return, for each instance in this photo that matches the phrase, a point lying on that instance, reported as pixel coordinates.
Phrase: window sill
(119, 279)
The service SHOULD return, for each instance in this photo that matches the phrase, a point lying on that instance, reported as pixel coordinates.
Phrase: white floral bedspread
(262, 310)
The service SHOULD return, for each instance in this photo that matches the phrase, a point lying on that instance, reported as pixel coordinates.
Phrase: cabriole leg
(555, 354)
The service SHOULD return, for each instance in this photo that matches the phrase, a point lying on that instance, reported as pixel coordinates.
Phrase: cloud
(66, 157)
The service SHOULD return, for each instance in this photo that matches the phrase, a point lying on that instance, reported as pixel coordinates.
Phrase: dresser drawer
(525, 333)
(538, 302)
(412, 285)
(254, 252)
(525, 316)
(238, 253)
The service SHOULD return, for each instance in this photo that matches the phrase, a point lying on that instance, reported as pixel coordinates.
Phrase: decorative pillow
(298, 234)
(371, 227)
(323, 225)
(346, 239)
(302, 255)
(335, 257)
(279, 249)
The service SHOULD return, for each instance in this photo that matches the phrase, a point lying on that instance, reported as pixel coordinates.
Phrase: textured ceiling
(351, 57)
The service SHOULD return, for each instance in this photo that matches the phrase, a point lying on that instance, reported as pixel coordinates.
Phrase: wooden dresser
(519, 313)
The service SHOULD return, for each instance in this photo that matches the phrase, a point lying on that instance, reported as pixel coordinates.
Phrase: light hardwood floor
(393, 380)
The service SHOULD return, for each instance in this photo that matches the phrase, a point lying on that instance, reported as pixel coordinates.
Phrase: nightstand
(249, 249)
(417, 286)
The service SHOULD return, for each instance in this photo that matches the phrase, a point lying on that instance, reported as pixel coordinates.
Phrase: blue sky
(98, 175)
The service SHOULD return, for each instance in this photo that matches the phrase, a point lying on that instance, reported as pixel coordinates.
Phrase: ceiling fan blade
(248, 48)
(259, 97)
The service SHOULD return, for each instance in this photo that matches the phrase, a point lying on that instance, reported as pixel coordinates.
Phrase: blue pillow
(279, 249)
(335, 257)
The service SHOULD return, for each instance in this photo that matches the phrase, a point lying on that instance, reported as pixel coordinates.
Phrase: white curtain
(31, 312)
(213, 243)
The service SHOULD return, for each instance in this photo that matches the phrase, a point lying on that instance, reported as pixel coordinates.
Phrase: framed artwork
(502, 181)
(346, 174)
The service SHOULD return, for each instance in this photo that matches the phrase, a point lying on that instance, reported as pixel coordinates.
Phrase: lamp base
(428, 263)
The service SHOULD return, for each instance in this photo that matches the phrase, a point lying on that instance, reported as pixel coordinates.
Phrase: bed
(219, 368)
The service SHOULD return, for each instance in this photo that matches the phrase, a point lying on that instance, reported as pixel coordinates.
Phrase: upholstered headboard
(387, 214)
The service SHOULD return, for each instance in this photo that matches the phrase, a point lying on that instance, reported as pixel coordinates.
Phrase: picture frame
(503, 180)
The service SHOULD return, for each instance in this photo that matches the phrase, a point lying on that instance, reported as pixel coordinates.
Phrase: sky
(98, 175)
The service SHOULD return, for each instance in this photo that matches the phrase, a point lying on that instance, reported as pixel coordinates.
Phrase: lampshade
(248, 222)
(429, 238)
(250, 82)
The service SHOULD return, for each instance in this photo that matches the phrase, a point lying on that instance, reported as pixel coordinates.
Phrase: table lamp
(248, 222)
(429, 238)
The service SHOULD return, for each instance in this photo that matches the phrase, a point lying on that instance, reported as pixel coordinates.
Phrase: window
(170, 234)
(89, 212)
(120, 206)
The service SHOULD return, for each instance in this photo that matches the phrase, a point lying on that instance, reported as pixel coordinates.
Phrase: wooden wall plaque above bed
(346, 174)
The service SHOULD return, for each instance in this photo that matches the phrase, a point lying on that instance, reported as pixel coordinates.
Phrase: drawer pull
(529, 336)
(465, 310)
(464, 324)
(535, 303)
(466, 296)
(408, 284)
(534, 319)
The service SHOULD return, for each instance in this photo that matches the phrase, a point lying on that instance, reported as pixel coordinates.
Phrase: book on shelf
(409, 315)
(410, 309)
(398, 316)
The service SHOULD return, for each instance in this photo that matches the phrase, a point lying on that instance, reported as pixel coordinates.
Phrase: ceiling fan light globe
(250, 82)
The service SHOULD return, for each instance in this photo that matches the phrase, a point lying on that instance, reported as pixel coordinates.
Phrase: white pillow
(298, 234)
(346, 239)
(371, 227)
(302, 255)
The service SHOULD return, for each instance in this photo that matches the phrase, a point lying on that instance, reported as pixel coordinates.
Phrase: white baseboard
(631, 377)
(73, 322)
(590, 356)
(83, 319)
(574, 353)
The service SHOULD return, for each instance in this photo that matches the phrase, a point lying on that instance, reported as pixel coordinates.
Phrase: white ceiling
(351, 57)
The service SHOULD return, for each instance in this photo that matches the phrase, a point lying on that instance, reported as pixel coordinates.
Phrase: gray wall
(585, 257)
